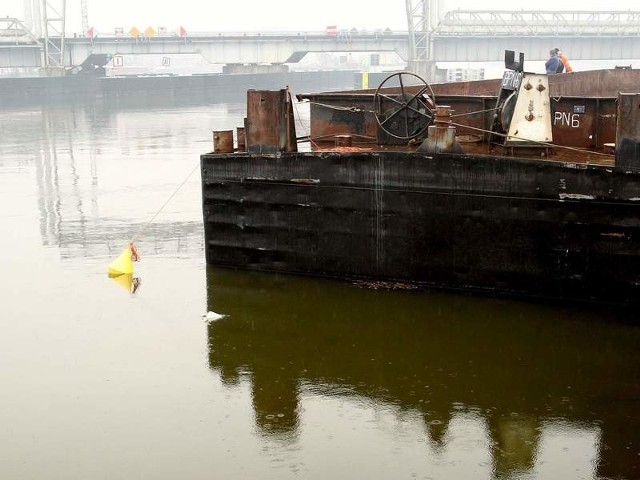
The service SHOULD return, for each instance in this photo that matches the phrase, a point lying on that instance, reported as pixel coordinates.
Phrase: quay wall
(151, 90)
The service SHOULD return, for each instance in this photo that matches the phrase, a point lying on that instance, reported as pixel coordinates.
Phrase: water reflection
(102, 173)
(127, 281)
(525, 376)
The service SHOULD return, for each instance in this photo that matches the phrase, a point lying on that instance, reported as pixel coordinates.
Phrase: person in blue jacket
(551, 65)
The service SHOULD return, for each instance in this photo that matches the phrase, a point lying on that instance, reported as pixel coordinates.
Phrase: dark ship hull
(552, 224)
(481, 223)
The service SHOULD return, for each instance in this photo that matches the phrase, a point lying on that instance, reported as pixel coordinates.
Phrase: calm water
(301, 378)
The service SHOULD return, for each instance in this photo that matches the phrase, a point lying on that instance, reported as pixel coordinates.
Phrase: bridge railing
(341, 34)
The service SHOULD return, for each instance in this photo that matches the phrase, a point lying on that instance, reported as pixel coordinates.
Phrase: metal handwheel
(403, 114)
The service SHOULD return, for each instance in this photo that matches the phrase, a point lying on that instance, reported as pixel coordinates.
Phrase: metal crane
(422, 18)
(45, 24)
(53, 19)
(85, 16)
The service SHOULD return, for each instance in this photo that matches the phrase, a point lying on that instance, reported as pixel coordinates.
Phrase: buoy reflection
(127, 281)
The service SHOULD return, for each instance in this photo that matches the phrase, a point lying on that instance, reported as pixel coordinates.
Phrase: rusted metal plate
(270, 125)
(343, 114)
(583, 122)
(595, 83)
(592, 83)
(223, 141)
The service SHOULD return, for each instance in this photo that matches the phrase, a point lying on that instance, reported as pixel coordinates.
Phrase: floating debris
(212, 316)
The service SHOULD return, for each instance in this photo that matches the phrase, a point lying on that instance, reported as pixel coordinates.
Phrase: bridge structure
(458, 36)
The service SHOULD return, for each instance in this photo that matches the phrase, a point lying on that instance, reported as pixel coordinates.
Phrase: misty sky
(272, 15)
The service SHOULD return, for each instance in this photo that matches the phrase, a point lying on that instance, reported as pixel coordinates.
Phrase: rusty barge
(527, 186)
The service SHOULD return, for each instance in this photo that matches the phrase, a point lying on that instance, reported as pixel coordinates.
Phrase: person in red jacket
(564, 62)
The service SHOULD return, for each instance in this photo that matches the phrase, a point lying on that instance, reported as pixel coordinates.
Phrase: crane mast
(422, 18)
(85, 16)
(53, 20)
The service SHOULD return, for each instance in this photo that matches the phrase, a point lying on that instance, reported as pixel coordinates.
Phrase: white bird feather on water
(213, 316)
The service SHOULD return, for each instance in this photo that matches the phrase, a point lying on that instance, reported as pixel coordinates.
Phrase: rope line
(343, 109)
(360, 110)
(307, 130)
(144, 227)
(537, 142)
(473, 113)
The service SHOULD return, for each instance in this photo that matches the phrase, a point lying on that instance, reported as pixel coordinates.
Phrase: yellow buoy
(121, 265)
(124, 263)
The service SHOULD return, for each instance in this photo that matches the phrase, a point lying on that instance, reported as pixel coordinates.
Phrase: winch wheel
(403, 105)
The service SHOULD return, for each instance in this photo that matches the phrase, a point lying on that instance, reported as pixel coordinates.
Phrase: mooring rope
(342, 109)
(313, 140)
(299, 116)
(144, 227)
(537, 142)
(360, 110)
(474, 113)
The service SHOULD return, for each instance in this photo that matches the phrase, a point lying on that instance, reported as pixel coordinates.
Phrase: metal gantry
(15, 32)
(423, 16)
(84, 11)
(427, 27)
(419, 28)
(53, 19)
(536, 23)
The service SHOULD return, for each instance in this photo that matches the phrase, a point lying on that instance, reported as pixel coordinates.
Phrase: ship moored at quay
(525, 186)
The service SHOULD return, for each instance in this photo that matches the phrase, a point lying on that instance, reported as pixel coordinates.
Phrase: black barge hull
(479, 223)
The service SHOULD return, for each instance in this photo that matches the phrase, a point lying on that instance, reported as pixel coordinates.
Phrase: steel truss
(537, 23)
